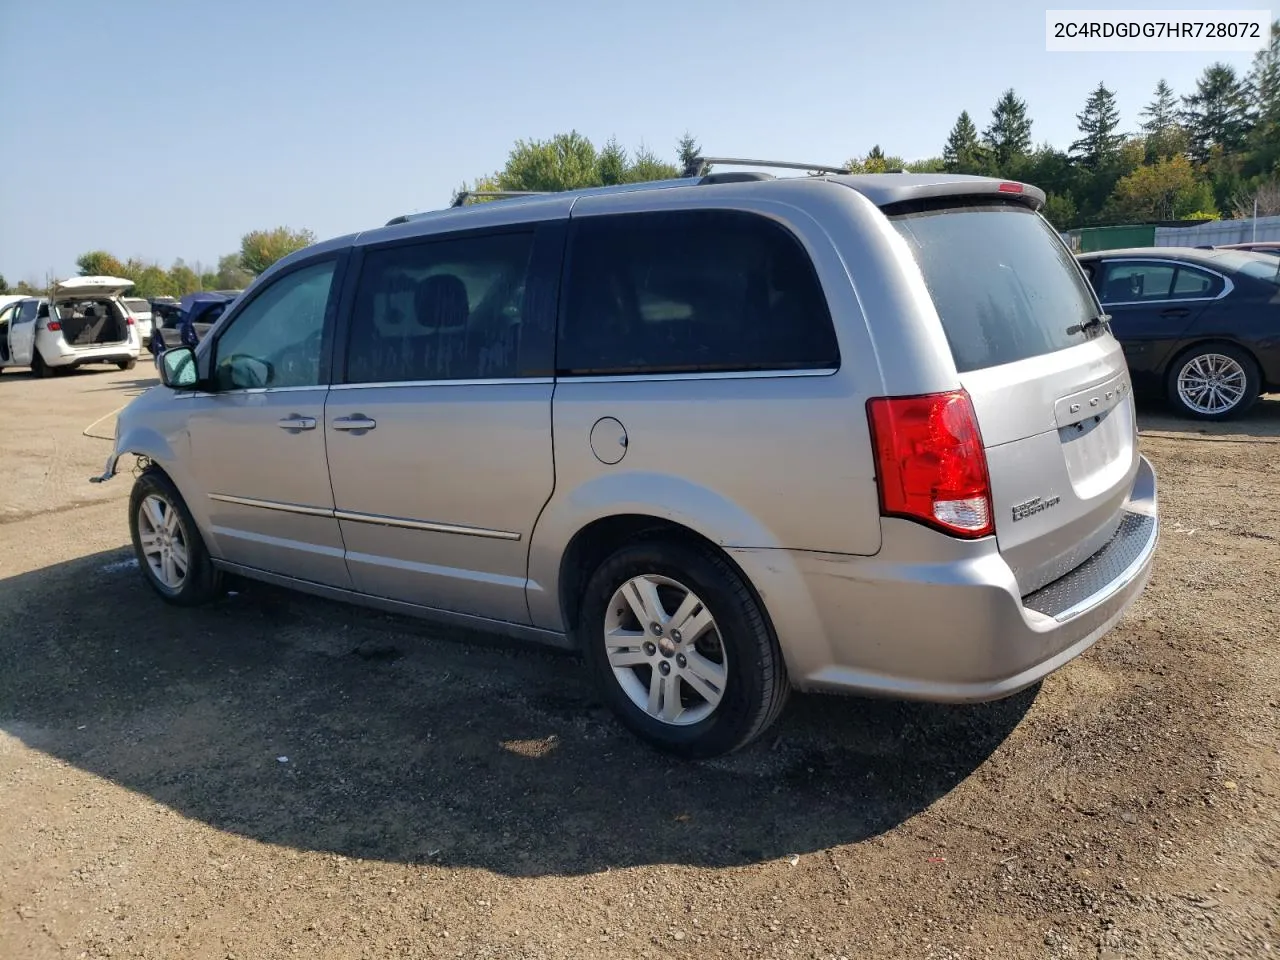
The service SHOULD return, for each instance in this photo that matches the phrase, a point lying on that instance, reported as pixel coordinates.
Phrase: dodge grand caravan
(727, 435)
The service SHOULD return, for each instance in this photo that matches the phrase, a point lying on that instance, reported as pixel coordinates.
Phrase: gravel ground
(277, 776)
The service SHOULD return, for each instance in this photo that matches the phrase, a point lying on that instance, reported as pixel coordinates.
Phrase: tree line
(1212, 152)
(259, 249)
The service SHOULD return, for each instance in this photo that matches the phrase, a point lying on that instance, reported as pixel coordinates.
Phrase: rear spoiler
(899, 190)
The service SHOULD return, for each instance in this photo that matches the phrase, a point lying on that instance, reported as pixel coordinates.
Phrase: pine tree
(1217, 114)
(689, 151)
(1161, 114)
(963, 152)
(1098, 141)
(1009, 134)
(1263, 86)
(1164, 133)
(611, 163)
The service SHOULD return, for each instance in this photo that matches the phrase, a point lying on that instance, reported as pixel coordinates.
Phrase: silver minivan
(726, 435)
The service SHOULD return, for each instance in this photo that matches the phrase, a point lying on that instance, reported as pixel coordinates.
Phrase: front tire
(680, 648)
(1213, 381)
(170, 551)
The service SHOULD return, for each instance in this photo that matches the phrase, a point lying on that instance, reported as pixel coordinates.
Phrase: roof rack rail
(461, 199)
(697, 167)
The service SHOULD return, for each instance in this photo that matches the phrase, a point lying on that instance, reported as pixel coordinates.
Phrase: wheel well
(592, 544)
(1210, 342)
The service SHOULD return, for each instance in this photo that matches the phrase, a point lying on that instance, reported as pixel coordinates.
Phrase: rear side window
(1138, 281)
(1003, 283)
(440, 309)
(689, 292)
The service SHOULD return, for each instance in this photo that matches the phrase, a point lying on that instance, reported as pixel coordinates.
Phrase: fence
(1209, 234)
(1219, 231)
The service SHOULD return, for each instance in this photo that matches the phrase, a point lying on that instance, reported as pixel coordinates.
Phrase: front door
(439, 432)
(22, 333)
(257, 444)
(18, 333)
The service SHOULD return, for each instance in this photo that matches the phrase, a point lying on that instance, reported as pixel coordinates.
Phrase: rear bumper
(954, 629)
(64, 356)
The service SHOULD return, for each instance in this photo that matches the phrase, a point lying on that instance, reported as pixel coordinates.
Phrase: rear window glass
(1260, 266)
(138, 306)
(1003, 283)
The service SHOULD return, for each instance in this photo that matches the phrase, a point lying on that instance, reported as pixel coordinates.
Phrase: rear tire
(39, 367)
(733, 656)
(170, 551)
(127, 364)
(1213, 381)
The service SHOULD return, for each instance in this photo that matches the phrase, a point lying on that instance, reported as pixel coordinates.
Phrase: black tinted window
(1003, 283)
(691, 291)
(1195, 283)
(1133, 282)
(449, 309)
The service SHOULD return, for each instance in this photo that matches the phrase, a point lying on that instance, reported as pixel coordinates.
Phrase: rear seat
(84, 331)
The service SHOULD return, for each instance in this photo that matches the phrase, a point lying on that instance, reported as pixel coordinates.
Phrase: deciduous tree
(99, 263)
(261, 248)
(1165, 190)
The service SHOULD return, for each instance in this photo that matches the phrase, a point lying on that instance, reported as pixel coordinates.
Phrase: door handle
(295, 422)
(354, 422)
(1175, 312)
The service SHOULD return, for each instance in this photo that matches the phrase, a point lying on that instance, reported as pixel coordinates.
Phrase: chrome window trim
(709, 375)
(593, 378)
(1227, 284)
(241, 391)
(272, 505)
(427, 526)
(473, 382)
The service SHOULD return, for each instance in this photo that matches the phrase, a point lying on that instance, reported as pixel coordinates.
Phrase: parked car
(166, 311)
(83, 321)
(844, 433)
(196, 312)
(142, 319)
(1197, 326)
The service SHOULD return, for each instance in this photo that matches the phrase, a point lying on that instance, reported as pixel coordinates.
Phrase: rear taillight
(930, 462)
(53, 325)
(1009, 187)
(129, 320)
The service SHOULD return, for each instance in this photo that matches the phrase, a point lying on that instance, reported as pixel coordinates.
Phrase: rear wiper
(1093, 323)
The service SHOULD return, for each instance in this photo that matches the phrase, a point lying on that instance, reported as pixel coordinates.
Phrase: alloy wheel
(665, 650)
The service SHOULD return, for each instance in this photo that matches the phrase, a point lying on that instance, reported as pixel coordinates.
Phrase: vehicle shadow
(1262, 421)
(317, 726)
(135, 386)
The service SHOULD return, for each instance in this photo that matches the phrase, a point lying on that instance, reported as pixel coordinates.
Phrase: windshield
(1005, 286)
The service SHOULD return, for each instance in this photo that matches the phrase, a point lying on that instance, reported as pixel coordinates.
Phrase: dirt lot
(277, 776)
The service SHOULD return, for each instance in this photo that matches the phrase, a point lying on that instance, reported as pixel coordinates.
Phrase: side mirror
(178, 369)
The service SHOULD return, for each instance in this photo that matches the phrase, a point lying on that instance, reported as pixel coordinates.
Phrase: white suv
(142, 319)
(83, 321)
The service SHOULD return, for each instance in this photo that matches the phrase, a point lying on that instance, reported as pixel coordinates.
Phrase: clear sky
(169, 129)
